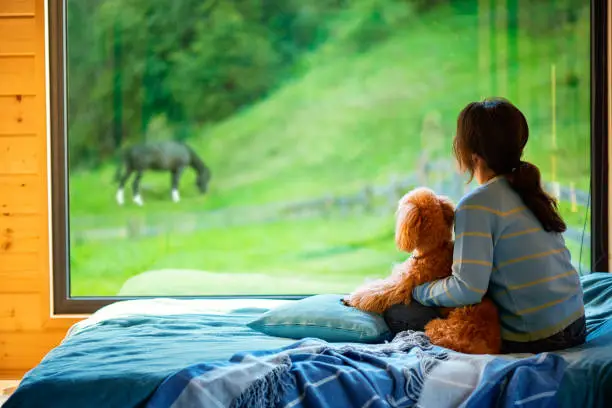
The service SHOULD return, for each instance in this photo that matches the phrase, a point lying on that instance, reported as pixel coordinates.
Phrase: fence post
(556, 190)
(423, 168)
(460, 186)
(392, 193)
(328, 204)
(573, 197)
(134, 227)
(367, 196)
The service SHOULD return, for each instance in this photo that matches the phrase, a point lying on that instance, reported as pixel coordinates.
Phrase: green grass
(331, 255)
(351, 120)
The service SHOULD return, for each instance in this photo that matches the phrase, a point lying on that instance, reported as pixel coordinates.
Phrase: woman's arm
(472, 262)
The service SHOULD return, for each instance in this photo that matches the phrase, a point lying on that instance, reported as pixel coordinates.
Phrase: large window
(223, 148)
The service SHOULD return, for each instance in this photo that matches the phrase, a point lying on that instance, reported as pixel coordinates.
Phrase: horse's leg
(124, 178)
(176, 175)
(137, 198)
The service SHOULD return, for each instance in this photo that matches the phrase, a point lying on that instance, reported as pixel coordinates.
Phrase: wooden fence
(371, 199)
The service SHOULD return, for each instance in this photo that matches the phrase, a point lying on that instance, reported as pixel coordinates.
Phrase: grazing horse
(159, 156)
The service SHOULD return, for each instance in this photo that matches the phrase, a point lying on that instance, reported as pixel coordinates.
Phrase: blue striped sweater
(501, 250)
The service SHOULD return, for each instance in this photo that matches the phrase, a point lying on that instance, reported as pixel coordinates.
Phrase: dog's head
(424, 220)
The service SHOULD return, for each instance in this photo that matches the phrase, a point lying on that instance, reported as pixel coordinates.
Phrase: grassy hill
(353, 118)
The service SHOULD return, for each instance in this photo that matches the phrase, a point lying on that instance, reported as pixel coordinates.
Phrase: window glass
(275, 138)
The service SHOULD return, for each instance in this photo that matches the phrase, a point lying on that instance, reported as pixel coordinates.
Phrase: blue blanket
(404, 373)
(120, 362)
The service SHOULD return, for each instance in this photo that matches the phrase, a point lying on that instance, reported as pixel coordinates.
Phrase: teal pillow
(324, 317)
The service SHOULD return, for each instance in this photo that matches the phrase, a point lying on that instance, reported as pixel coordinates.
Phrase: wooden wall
(27, 331)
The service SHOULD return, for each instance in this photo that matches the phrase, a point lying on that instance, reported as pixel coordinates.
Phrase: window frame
(601, 75)
(59, 211)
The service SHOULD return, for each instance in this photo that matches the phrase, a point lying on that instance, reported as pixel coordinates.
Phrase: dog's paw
(356, 299)
(370, 302)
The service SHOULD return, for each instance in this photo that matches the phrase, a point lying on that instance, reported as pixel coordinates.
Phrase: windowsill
(69, 316)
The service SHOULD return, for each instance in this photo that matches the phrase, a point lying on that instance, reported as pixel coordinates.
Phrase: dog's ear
(408, 226)
(448, 209)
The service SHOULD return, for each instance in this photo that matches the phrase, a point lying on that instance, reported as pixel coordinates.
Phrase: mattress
(119, 356)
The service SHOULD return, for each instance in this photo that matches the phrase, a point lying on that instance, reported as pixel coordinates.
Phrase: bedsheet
(119, 356)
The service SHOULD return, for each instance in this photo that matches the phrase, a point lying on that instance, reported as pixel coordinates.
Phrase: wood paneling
(16, 263)
(18, 36)
(18, 115)
(17, 75)
(27, 329)
(20, 312)
(20, 282)
(20, 234)
(11, 7)
(21, 196)
(18, 156)
(22, 350)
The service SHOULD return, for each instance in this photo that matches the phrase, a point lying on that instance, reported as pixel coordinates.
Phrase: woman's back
(532, 281)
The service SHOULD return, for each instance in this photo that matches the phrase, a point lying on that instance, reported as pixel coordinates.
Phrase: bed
(125, 353)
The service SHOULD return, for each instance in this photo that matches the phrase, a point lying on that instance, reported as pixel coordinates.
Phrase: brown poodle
(424, 228)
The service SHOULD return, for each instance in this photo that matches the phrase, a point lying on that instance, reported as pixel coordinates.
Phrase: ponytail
(526, 181)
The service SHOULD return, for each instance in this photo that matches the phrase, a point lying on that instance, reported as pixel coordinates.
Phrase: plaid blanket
(407, 372)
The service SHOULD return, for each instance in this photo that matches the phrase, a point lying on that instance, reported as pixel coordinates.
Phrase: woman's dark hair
(497, 131)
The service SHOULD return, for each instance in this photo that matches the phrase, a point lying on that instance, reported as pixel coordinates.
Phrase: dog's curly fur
(424, 228)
